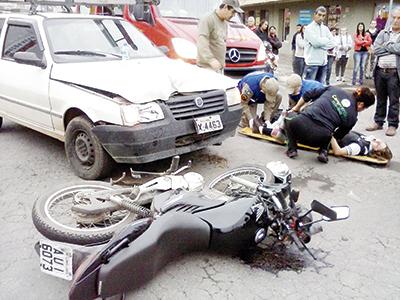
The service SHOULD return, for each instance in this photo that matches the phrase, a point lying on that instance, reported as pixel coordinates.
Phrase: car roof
(45, 15)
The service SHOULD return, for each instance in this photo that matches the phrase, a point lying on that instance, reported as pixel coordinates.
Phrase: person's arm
(351, 150)
(368, 40)
(314, 94)
(379, 48)
(358, 41)
(330, 43)
(314, 39)
(337, 150)
(393, 47)
(203, 44)
(342, 131)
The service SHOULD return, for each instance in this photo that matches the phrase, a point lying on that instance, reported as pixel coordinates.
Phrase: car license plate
(208, 124)
(56, 259)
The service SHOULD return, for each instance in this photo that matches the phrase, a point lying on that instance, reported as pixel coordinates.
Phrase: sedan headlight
(262, 55)
(133, 114)
(184, 48)
(233, 96)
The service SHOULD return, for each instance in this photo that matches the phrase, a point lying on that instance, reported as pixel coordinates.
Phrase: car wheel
(1, 121)
(84, 151)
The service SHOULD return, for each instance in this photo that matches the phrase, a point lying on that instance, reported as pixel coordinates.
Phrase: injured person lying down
(352, 144)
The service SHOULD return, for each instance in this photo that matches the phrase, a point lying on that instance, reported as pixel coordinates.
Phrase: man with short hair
(318, 40)
(257, 88)
(386, 75)
(211, 44)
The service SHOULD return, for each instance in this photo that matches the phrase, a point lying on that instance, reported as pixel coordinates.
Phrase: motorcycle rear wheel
(253, 173)
(53, 217)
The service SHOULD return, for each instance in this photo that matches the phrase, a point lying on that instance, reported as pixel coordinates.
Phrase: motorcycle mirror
(323, 210)
(342, 213)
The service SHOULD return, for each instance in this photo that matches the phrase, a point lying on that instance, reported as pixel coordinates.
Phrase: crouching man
(333, 113)
(257, 88)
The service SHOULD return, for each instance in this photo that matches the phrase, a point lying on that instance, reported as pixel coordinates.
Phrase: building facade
(286, 14)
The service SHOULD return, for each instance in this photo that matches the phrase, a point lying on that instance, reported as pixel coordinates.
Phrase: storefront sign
(305, 16)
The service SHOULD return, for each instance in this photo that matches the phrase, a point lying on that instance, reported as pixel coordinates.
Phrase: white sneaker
(343, 80)
(338, 79)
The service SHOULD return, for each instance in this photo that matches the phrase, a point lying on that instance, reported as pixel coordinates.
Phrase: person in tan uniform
(211, 44)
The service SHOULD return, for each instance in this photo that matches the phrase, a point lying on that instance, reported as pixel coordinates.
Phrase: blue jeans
(317, 73)
(360, 58)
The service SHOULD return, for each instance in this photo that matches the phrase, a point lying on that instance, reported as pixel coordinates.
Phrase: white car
(99, 85)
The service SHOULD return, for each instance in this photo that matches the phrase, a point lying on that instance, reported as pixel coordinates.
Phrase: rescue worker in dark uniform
(332, 113)
(257, 88)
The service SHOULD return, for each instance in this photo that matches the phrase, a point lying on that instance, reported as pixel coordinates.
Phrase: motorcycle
(240, 209)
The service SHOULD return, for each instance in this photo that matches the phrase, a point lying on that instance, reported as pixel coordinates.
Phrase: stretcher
(248, 132)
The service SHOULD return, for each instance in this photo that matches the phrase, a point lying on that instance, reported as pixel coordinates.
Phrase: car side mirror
(30, 58)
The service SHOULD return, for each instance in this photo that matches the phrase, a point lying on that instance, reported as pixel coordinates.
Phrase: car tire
(1, 121)
(84, 151)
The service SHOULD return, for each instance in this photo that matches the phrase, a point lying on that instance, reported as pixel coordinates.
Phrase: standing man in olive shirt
(211, 45)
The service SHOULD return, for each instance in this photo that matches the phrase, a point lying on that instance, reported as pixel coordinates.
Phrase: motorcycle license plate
(56, 259)
(208, 124)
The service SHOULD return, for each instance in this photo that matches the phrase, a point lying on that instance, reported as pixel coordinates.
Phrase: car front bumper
(165, 138)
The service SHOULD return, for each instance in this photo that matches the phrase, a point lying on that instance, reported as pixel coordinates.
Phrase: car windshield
(189, 8)
(73, 39)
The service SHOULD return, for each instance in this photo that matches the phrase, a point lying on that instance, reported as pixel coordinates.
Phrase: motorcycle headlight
(261, 55)
(233, 96)
(184, 48)
(133, 114)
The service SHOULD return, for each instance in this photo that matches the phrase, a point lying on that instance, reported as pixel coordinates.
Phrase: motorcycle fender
(167, 238)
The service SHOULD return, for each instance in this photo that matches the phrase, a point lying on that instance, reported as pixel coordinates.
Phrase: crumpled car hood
(141, 80)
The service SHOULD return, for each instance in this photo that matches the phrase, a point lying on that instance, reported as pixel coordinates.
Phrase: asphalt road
(356, 259)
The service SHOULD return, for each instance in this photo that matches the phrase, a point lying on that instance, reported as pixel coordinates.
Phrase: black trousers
(341, 66)
(387, 85)
(302, 129)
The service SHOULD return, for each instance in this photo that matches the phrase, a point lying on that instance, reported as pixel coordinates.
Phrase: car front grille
(184, 107)
(246, 55)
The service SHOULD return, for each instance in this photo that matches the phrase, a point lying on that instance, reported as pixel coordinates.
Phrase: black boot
(323, 156)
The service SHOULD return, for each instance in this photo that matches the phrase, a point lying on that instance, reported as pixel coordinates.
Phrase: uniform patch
(345, 103)
(246, 93)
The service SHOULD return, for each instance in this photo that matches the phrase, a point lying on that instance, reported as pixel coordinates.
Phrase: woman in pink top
(362, 42)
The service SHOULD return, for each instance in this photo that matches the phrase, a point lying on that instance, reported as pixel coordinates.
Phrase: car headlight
(261, 55)
(184, 48)
(133, 114)
(233, 96)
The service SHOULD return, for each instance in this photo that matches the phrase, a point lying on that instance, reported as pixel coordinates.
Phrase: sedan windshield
(85, 39)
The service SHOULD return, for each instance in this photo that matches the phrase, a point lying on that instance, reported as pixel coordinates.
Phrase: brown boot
(374, 127)
(391, 131)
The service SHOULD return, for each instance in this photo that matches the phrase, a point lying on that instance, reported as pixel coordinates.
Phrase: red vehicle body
(174, 25)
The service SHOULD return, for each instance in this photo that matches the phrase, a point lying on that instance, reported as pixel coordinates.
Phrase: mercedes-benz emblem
(234, 55)
(199, 102)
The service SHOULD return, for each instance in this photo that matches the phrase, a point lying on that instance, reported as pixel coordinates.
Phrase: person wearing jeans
(318, 40)
(331, 59)
(298, 63)
(362, 43)
(369, 65)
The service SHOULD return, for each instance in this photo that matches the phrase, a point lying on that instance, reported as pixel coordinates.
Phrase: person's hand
(215, 65)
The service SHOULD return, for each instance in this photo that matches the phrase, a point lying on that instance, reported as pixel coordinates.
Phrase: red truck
(174, 24)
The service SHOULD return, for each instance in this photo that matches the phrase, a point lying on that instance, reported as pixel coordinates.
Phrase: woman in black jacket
(274, 40)
(262, 30)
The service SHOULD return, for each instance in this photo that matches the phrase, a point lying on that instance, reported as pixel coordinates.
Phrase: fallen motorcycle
(240, 209)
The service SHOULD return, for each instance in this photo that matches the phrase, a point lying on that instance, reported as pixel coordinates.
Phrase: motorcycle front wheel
(53, 216)
(254, 174)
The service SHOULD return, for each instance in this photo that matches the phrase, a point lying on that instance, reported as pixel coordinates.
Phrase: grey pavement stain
(309, 174)
(394, 166)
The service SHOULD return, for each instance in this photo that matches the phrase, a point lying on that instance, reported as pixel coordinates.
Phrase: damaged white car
(99, 85)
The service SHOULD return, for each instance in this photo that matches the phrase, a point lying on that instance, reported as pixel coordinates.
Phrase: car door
(23, 86)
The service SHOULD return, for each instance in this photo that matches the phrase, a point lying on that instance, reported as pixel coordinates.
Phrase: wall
(352, 12)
